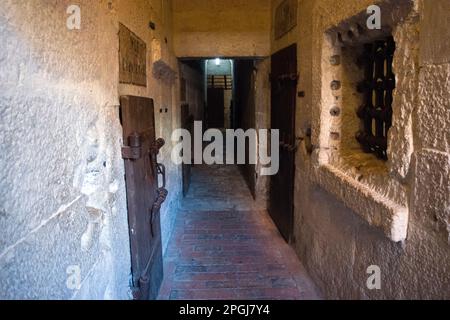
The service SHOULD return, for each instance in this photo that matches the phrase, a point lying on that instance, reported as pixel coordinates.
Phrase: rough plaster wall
(335, 243)
(431, 197)
(262, 121)
(62, 195)
(62, 191)
(219, 28)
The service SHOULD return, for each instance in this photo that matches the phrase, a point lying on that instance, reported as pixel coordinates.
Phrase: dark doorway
(144, 197)
(230, 95)
(187, 121)
(245, 112)
(283, 101)
(216, 108)
(219, 84)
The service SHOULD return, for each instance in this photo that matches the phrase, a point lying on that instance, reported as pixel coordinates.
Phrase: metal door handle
(162, 196)
(160, 168)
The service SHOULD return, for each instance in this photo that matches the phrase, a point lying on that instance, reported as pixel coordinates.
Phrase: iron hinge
(134, 150)
(131, 153)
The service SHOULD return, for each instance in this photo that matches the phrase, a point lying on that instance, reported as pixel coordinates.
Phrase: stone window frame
(374, 189)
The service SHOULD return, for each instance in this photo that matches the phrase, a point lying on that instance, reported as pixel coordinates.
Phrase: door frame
(287, 234)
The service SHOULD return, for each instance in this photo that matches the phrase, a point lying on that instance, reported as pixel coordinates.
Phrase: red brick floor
(230, 254)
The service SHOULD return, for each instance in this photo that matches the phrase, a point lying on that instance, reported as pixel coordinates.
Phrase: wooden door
(216, 108)
(187, 121)
(283, 101)
(144, 197)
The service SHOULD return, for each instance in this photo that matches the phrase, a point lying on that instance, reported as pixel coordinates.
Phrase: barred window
(377, 87)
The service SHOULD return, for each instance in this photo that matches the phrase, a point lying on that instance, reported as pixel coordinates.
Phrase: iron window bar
(377, 87)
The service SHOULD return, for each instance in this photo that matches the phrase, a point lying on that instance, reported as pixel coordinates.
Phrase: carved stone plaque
(285, 17)
(132, 58)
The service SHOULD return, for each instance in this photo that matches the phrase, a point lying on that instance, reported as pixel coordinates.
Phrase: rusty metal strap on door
(133, 151)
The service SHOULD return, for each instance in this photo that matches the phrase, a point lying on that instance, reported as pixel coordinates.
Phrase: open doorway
(229, 92)
(219, 92)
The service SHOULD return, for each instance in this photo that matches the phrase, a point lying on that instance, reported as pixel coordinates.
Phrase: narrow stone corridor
(337, 113)
(225, 247)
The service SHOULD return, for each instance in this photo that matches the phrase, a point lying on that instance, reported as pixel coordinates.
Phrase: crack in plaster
(60, 211)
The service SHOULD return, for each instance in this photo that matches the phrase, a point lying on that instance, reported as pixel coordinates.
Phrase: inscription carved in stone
(132, 58)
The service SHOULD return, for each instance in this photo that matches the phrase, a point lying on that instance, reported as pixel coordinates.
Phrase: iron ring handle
(153, 152)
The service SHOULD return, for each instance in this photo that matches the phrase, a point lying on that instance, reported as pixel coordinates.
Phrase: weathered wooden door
(144, 197)
(283, 97)
(216, 108)
(187, 121)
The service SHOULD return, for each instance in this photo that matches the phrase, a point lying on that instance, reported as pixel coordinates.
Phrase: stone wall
(62, 191)
(262, 121)
(217, 28)
(400, 219)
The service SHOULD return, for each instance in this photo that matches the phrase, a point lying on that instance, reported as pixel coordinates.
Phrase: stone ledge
(376, 209)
